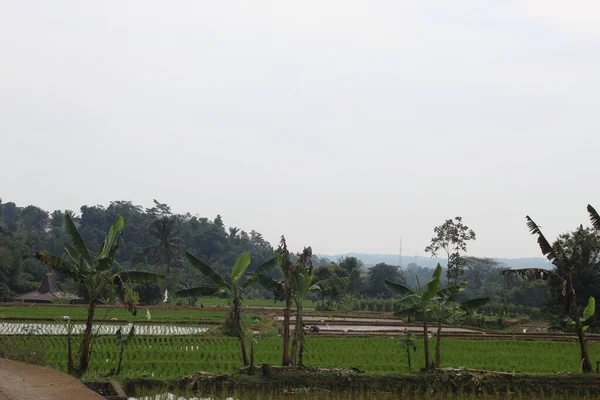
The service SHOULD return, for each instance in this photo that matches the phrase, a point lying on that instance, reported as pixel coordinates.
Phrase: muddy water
(19, 328)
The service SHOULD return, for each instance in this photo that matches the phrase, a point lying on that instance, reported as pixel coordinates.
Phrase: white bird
(524, 330)
(166, 296)
(65, 317)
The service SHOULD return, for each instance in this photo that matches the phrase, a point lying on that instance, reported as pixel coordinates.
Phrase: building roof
(48, 291)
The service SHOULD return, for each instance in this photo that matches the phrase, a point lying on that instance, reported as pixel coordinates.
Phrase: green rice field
(181, 315)
(172, 357)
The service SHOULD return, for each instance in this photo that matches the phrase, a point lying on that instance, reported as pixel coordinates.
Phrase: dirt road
(19, 381)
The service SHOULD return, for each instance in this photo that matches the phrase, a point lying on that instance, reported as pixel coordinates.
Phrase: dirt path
(19, 381)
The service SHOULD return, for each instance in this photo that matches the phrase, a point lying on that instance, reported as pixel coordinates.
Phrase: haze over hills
(428, 262)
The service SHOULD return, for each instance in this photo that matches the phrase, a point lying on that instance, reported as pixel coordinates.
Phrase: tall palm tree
(97, 274)
(233, 323)
(567, 259)
(232, 235)
(166, 252)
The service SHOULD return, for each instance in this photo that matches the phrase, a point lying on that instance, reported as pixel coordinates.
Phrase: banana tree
(418, 300)
(297, 283)
(566, 260)
(594, 217)
(445, 306)
(97, 275)
(233, 323)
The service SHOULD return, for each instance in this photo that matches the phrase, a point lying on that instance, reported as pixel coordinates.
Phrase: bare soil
(19, 381)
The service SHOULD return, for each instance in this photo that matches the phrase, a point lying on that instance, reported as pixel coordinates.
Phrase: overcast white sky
(341, 124)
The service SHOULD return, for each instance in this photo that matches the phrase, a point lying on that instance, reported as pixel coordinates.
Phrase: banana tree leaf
(545, 246)
(199, 291)
(449, 293)
(398, 288)
(268, 283)
(207, 271)
(77, 239)
(326, 285)
(594, 217)
(590, 309)
(433, 286)
(473, 304)
(266, 266)
(240, 267)
(141, 277)
(77, 259)
(58, 264)
(111, 245)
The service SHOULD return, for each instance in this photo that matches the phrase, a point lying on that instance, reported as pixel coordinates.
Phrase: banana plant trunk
(237, 315)
(87, 339)
(586, 363)
(243, 348)
(286, 331)
(438, 344)
(298, 334)
(426, 341)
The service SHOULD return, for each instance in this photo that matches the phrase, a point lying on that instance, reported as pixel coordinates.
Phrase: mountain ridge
(428, 262)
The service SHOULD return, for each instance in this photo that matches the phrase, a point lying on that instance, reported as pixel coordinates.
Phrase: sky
(345, 125)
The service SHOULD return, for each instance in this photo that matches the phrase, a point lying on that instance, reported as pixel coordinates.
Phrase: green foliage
(451, 237)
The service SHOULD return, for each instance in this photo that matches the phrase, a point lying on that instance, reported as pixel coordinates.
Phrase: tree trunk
(438, 343)
(586, 363)
(286, 332)
(426, 341)
(298, 335)
(237, 314)
(243, 348)
(87, 339)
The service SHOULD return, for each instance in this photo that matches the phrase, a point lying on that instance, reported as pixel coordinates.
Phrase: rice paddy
(195, 316)
(162, 357)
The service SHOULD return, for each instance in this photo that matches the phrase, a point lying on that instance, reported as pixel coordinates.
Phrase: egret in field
(166, 296)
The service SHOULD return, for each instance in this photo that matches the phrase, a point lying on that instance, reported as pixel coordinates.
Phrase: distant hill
(427, 262)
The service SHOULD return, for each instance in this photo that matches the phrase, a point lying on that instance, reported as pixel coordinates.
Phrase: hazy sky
(341, 124)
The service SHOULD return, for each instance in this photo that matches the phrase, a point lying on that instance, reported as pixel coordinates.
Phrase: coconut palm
(568, 255)
(233, 322)
(168, 249)
(97, 275)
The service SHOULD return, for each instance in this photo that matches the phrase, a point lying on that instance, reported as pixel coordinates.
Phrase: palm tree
(567, 258)
(97, 274)
(166, 252)
(232, 235)
(233, 322)
(418, 301)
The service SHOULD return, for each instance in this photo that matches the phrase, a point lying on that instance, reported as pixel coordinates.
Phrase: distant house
(47, 293)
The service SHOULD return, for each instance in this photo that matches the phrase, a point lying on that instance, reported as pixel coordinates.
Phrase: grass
(173, 357)
(266, 303)
(183, 315)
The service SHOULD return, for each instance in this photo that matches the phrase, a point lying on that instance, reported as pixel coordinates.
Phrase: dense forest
(155, 239)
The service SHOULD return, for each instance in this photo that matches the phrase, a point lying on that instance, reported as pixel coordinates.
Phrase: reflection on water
(18, 328)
